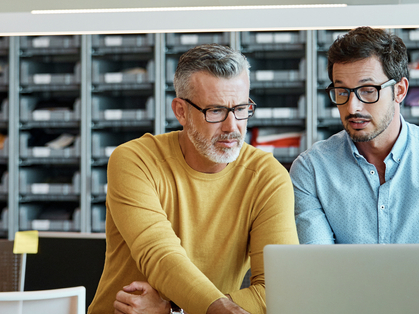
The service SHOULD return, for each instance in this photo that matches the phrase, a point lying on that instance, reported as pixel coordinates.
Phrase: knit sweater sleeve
(138, 214)
(273, 223)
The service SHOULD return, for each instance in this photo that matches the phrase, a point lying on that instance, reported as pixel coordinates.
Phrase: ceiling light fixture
(203, 8)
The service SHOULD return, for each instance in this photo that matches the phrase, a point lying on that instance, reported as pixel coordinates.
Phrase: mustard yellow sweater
(192, 235)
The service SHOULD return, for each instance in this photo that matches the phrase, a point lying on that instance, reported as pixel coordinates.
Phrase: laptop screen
(344, 279)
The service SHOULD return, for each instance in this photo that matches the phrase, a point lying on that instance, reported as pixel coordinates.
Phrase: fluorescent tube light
(206, 8)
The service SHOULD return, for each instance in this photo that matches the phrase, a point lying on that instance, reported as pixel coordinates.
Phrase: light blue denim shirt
(339, 199)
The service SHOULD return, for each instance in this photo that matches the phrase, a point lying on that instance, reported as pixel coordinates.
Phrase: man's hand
(148, 301)
(225, 306)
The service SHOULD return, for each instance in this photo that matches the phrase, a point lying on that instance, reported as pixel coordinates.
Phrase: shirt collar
(398, 147)
(401, 142)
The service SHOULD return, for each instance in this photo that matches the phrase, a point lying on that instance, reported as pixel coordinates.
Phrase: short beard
(380, 128)
(208, 149)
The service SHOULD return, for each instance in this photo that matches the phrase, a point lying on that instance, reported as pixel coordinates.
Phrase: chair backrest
(10, 267)
(64, 301)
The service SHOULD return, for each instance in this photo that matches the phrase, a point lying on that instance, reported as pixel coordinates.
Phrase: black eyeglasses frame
(390, 82)
(232, 109)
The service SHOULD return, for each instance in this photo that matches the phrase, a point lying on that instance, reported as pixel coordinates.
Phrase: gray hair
(217, 60)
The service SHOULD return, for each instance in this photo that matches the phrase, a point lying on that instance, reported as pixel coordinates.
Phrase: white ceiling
(29, 5)
(16, 19)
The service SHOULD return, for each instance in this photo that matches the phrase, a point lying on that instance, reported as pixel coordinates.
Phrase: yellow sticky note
(26, 242)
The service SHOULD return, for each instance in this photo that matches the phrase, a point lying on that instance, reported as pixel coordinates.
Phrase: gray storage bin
(48, 152)
(324, 108)
(272, 75)
(4, 110)
(410, 37)
(137, 40)
(297, 112)
(29, 219)
(170, 115)
(28, 111)
(322, 68)
(106, 109)
(99, 182)
(98, 218)
(327, 37)
(4, 74)
(273, 38)
(4, 152)
(410, 111)
(103, 144)
(4, 184)
(108, 72)
(43, 42)
(174, 39)
(4, 42)
(287, 153)
(36, 73)
(34, 181)
(171, 65)
(4, 219)
(27, 213)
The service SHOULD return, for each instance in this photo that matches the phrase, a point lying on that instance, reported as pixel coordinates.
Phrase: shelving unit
(328, 122)
(410, 110)
(175, 46)
(49, 133)
(4, 134)
(123, 104)
(278, 85)
(67, 101)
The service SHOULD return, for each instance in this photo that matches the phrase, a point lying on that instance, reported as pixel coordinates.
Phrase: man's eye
(342, 92)
(240, 108)
(216, 111)
(366, 91)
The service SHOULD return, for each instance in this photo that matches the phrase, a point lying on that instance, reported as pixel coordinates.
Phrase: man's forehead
(361, 71)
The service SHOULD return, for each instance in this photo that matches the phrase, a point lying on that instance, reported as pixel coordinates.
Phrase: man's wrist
(224, 305)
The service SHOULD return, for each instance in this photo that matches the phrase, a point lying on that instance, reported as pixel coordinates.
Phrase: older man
(190, 211)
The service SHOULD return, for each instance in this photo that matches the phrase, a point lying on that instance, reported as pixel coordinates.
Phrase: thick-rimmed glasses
(220, 113)
(368, 94)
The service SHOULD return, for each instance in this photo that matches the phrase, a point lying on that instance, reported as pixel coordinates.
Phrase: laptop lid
(344, 279)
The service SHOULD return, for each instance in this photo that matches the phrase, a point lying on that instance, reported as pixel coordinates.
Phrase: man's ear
(400, 90)
(179, 109)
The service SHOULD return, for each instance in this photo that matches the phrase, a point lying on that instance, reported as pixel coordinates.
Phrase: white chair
(57, 301)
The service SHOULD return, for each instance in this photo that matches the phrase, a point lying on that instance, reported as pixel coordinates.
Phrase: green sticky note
(26, 242)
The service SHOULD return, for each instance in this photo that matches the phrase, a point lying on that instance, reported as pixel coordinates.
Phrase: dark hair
(364, 42)
(215, 59)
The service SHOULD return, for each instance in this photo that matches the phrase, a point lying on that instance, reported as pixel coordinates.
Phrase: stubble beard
(381, 127)
(208, 149)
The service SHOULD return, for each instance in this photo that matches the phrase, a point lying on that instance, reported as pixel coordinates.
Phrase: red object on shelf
(276, 140)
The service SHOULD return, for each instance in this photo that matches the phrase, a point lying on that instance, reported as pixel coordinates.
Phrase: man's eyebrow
(366, 80)
(224, 106)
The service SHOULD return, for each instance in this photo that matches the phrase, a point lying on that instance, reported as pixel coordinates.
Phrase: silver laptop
(342, 279)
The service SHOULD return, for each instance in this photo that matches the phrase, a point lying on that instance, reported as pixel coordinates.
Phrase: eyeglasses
(220, 113)
(368, 94)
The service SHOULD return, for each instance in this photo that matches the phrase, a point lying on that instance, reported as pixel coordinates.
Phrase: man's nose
(354, 104)
(230, 123)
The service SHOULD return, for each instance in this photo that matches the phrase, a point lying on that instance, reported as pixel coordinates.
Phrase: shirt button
(382, 207)
(372, 172)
